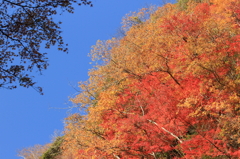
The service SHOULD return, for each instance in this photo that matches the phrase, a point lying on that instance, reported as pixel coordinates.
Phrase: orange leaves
(142, 117)
(170, 87)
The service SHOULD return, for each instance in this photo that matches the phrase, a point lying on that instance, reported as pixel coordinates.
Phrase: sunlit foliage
(168, 89)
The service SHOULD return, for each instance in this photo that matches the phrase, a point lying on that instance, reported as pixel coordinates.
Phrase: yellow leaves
(234, 98)
(33, 152)
(102, 49)
(231, 131)
(221, 6)
(187, 50)
(81, 134)
(218, 106)
(189, 102)
(135, 18)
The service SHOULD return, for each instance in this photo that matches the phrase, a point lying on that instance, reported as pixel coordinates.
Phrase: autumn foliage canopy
(169, 88)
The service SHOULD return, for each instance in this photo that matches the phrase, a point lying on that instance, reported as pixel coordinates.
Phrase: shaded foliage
(54, 150)
(24, 27)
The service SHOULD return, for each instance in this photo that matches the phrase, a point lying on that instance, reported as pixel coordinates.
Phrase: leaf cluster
(25, 26)
(54, 150)
(168, 89)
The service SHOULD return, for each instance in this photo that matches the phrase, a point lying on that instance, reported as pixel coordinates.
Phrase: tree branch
(166, 130)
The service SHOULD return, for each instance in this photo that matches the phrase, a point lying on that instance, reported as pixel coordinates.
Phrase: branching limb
(166, 131)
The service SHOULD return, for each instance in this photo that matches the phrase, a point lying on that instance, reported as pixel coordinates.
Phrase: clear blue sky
(27, 118)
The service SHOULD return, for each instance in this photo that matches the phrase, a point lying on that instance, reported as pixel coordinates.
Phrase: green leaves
(54, 150)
